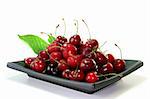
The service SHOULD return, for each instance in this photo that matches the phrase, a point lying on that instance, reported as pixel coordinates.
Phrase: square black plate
(131, 65)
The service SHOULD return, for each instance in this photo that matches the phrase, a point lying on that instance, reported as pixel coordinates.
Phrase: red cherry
(110, 58)
(43, 55)
(66, 73)
(55, 56)
(92, 43)
(75, 40)
(92, 77)
(29, 60)
(70, 50)
(88, 53)
(61, 40)
(87, 64)
(62, 65)
(100, 58)
(38, 65)
(119, 65)
(51, 70)
(107, 68)
(74, 61)
(54, 47)
(77, 75)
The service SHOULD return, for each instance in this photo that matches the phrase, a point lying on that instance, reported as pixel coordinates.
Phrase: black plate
(131, 65)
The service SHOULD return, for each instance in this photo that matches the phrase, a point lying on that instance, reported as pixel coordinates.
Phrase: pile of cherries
(75, 60)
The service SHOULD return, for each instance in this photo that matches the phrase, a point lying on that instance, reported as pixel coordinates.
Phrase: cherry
(75, 40)
(54, 47)
(110, 58)
(62, 65)
(51, 70)
(38, 65)
(119, 65)
(43, 55)
(107, 68)
(88, 53)
(92, 43)
(61, 40)
(77, 75)
(69, 50)
(74, 61)
(91, 77)
(29, 60)
(87, 64)
(100, 58)
(55, 56)
(66, 73)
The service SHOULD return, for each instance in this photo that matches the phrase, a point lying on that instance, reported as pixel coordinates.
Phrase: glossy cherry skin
(29, 60)
(51, 70)
(38, 65)
(119, 65)
(54, 47)
(62, 65)
(70, 50)
(100, 58)
(74, 61)
(43, 55)
(55, 56)
(110, 58)
(92, 43)
(87, 64)
(105, 69)
(75, 40)
(66, 73)
(61, 40)
(77, 75)
(88, 53)
(91, 77)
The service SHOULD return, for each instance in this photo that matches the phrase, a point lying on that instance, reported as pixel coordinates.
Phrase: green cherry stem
(119, 50)
(56, 30)
(87, 28)
(76, 25)
(64, 26)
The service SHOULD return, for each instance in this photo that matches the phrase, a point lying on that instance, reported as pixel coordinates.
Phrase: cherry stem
(56, 29)
(77, 26)
(64, 26)
(119, 50)
(87, 28)
(46, 34)
(102, 45)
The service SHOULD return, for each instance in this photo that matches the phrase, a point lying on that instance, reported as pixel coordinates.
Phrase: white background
(125, 22)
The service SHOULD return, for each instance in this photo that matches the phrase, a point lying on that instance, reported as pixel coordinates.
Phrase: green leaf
(51, 38)
(36, 43)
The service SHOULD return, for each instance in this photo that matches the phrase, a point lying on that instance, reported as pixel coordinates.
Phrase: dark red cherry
(38, 65)
(66, 73)
(61, 40)
(70, 50)
(92, 43)
(119, 65)
(43, 55)
(110, 58)
(74, 61)
(29, 60)
(100, 58)
(55, 56)
(51, 70)
(87, 64)
(77, 75)
(62, 65)
(91, 77)
(107, 68)
(75, 40)
(88, 53)
(54, 47)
